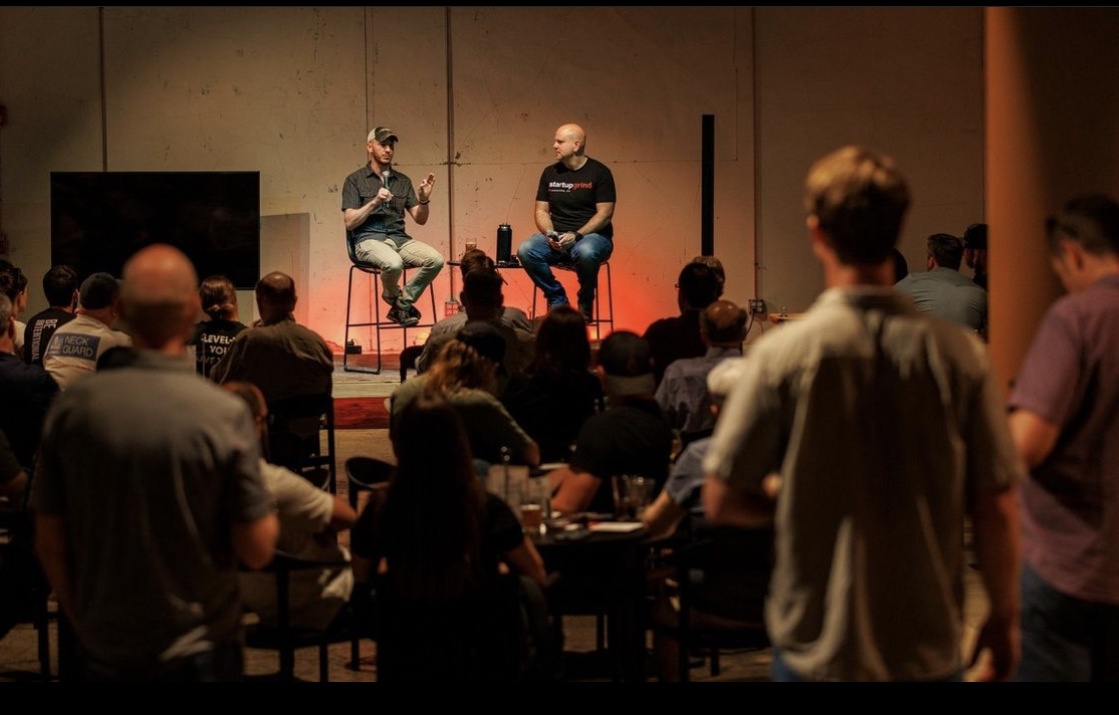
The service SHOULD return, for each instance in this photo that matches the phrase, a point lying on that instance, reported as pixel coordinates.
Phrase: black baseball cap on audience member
(98, 291)
(485, 338)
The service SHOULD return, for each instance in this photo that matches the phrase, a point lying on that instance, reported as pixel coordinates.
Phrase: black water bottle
(504, 243)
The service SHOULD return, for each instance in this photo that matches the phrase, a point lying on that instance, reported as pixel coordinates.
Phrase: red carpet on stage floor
(360, 413)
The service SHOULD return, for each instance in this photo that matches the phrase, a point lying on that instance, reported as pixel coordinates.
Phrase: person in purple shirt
(1065, 423)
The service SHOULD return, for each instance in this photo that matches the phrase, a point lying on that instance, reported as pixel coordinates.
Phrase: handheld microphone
(385, 181)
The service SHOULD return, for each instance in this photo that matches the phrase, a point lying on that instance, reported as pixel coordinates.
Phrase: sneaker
(404, 316)
(401, 317)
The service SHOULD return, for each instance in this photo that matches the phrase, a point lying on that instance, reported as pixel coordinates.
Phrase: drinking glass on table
(632, 493)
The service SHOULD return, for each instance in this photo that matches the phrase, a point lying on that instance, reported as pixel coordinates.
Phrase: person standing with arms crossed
(374, 201)
(574, 211)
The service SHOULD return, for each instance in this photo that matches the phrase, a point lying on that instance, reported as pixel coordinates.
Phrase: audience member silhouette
(464, 373)
(558, 391)
(716, 265)
(678, 336)
(483, 301)
(27, 390)
(630, 437)
(310, 521)
(278, 355)
(682, 393)
(213, 335)
(13, 283)
(942, 290)
(74, 349)
(60, 286)
(431, 556)
(975, 252)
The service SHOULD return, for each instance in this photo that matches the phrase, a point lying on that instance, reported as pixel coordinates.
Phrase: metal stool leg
(375, 323)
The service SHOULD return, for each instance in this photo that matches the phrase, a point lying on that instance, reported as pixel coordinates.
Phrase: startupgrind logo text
(569, 186)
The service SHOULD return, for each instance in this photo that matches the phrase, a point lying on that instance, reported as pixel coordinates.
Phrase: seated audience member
(717, 598)
(482, 301)
(558, 391)
(901, 266)
(630, 437)
(509, 315)
(430, 557)
(60, 286)
(678, 336)
(27, 392)
(310, 519)
(716, 265)
(13, 476)
(17, 560)
(14, 285)
(464, 373)
(942, 290)
(75, 347)
(683, 393)
(975, 252)
(679, 500)
(279, 356)
(213, 336)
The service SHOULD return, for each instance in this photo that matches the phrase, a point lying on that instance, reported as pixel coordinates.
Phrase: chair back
(295, 432)
(480, 637)
(722, 576)
(366, 474)
(285, 638)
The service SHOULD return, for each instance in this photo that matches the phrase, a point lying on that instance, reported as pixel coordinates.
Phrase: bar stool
(598, 320)
(377, 324)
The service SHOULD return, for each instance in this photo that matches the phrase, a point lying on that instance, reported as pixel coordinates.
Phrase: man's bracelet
(423, 203)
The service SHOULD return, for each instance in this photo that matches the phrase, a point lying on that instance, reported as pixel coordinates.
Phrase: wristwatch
(578, 236)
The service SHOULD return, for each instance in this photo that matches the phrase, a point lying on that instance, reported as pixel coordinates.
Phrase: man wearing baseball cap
(374, 201)
(75, 347)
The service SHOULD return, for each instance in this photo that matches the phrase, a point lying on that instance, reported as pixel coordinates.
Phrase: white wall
(475, 95)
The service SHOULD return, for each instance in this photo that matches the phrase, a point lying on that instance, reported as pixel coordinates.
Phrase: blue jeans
(413, 253)
(590, 252)
(1066, 639)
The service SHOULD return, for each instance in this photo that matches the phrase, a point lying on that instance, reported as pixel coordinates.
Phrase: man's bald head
(574, 133)
(723, 324)
(275, 296)
(159, 298)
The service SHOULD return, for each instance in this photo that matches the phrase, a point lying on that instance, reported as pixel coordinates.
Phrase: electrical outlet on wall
(757, 306)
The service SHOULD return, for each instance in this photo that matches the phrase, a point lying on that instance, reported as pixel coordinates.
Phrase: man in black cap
(374, 201)
(75, 347)
(975, 252)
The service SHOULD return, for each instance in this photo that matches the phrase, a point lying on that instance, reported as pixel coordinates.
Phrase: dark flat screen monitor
(99, 219)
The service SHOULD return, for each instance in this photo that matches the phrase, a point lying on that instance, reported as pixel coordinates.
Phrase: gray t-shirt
(150, 466)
